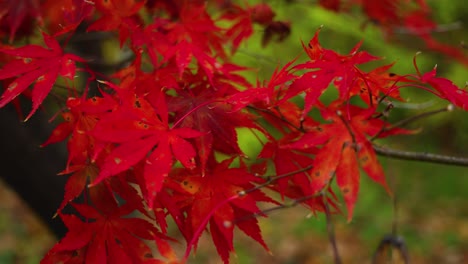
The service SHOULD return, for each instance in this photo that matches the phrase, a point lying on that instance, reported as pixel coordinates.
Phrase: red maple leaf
(204, 110)
(76, 183)
(244, 18)
(38, 65)
(193, 35)
(385, 12)
(78, 122)
(327, 66)
(344, 147)
(107, 238)
(446, 89)
(377, 82)
(115, 14)
(214, 198)
(16, 14)
(266, 93)
(420, 24)
(287, 160)
(65, 15)
(139, 129)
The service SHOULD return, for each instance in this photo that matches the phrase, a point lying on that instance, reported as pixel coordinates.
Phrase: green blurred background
(432, 208)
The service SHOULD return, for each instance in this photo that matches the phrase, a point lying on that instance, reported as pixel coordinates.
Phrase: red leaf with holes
(38, 65)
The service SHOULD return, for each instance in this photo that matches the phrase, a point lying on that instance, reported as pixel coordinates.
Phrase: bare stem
(409, 120)
(412, 119)
(331, 232)
(292, 203)
(421, 156)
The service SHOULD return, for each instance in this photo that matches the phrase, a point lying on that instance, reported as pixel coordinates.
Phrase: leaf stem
(176, 123)
(292, 203)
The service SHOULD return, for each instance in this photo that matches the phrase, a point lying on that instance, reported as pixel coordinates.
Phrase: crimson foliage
(151, 140)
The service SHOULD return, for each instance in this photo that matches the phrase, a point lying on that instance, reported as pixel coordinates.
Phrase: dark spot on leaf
(137, 104)
(345, 190)
(185, 183)
(391, 74)
(317, 174)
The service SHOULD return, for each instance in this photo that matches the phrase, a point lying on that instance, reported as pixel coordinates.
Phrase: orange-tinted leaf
(370, 164)
(325, 164)
(347, 178)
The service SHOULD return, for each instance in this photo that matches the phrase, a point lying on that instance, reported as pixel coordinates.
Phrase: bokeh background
(431, 208)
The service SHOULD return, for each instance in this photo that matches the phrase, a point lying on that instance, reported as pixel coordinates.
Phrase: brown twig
(409, 120)
(421, 156)
(331, 232)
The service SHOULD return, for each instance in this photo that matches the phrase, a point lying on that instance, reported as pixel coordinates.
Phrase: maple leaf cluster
(158, 138)
(412, 17)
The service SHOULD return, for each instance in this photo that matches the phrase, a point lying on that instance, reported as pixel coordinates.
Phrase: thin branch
(291, 204)
(331, 232)
(409, 120)
(421, 156)
(412, 119)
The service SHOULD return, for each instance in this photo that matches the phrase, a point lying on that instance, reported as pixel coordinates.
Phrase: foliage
(158, 134)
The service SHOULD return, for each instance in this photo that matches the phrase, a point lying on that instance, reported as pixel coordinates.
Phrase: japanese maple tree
(156, 137)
